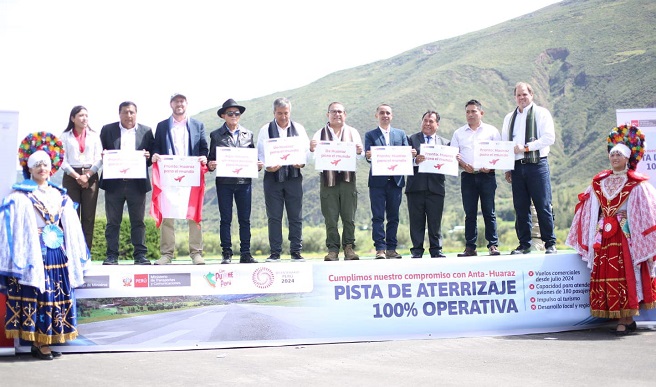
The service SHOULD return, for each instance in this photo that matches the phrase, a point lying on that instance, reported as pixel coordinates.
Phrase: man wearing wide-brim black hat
(230, 187)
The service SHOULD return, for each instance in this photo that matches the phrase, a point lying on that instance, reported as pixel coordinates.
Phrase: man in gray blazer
(183, 136)
(126, 135)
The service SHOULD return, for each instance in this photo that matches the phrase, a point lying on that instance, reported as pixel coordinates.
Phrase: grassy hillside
(584, 59)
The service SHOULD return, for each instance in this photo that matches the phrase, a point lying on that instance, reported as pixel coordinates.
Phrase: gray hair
(281, 102)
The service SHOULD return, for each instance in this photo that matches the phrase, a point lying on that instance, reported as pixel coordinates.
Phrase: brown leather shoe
(349, 254)
(392, 254)
(331, 256)
(469, 252)
(380, 254)
(494, 250)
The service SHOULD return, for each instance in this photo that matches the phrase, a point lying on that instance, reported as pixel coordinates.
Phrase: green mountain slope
(584, 59)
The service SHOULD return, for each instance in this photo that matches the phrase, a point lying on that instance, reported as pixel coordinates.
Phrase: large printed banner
(137, 308)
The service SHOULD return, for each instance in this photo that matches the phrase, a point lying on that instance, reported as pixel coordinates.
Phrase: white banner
(124, 164)
(309, 302)
(8, 151)
(285, 151)
(645, 120)
(494, 155)
(179, 171)
(236, 162)
(391, 161)
(439, 159)
(335, 156)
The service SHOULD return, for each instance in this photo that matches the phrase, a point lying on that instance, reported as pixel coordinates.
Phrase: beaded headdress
(45, 141)
(633, 138)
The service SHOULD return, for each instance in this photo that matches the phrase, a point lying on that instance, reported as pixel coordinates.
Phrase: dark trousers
(339, 201)
(386, 200)
(87, 199)
(241, 193)
(425, 208)
(284, 195)
(475, 187)
(533, 182)
(115, 200)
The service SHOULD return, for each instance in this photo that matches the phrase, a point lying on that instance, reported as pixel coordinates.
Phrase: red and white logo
(141, 280)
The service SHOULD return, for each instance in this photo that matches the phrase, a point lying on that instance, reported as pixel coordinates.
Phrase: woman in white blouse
(82, 161)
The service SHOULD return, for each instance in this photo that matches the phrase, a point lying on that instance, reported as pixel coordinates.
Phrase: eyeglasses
(233, 114)
(336, 111)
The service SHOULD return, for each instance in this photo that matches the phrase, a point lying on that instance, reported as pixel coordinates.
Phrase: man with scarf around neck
(531, 128)
(239, 189)
(385, 192)
(283, 185)
(338, 192)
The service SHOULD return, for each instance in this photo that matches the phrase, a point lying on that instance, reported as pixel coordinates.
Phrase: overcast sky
(58, 54)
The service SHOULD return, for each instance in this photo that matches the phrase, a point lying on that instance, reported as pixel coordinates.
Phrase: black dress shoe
(416, 256)
(438, 255)
(110, 261)
(141, 261)
(55, 354)
(36, 352)
(551, 250)
(521, 250)
(247, 258)
(297, 257)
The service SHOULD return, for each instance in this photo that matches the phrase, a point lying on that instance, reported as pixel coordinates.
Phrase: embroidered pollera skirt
(47, 317)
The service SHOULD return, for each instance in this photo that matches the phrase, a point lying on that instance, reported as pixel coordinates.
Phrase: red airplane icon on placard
(438, 166)
(335, 162)
(236, 171)
(179, 178)
(284, 157)
(494, 162)
(392, 167)
(124, 170)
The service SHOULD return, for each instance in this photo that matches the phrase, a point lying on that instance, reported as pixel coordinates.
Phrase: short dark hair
(429, 112)
(474, 102)
(126, 104)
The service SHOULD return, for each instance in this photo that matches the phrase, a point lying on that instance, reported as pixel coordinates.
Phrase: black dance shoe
(36, 353)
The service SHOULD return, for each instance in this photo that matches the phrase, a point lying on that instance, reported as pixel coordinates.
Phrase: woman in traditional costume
(43, 252)
(614, 231)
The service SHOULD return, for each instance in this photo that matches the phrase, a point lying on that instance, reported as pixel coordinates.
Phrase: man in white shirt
(476, 184)
(531, 128)
(283, 184)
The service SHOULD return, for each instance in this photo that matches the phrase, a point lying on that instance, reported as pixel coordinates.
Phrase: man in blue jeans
(531, 128)
(232, 134)
(476, 184)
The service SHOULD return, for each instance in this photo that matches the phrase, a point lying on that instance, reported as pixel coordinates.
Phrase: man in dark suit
(425, 192)
(126, 135)
(182, 136)
(385, 192)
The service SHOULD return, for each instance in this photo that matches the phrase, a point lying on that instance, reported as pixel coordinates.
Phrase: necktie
(428, 139)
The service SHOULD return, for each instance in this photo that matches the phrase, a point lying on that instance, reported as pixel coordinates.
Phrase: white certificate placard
(236, 162)
(179, 171)
(391, 160)
(285, 151)
(439, 159)
(494, 155)
(335, 156)
(124, 164)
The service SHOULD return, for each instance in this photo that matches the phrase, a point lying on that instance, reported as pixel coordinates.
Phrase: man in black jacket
(425, 192)
(126, 135)
(232, 134)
